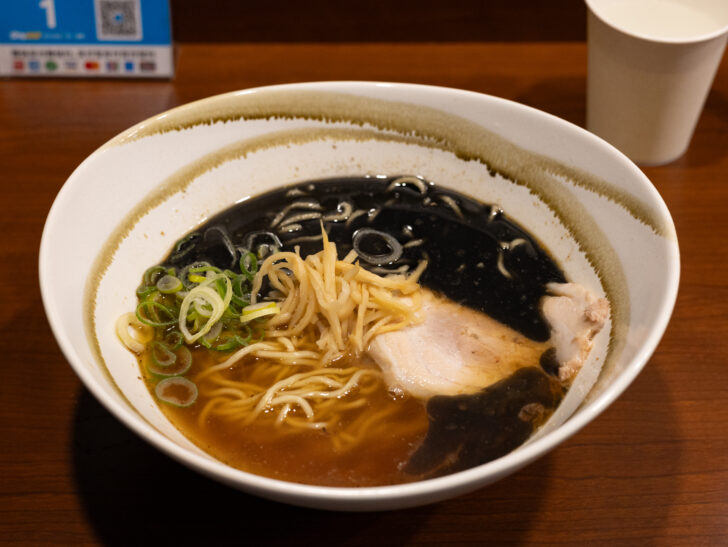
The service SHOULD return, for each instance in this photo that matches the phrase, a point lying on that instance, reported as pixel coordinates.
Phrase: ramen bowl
(125, 206)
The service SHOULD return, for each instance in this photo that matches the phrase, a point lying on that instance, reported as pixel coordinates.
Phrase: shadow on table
(132, 493)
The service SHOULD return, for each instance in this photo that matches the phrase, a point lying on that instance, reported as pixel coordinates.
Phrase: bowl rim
(366, 497)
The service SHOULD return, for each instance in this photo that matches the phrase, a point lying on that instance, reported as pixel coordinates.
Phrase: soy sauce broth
(476, 256)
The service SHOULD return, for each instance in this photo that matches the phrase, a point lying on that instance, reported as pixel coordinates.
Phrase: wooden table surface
(652, 469)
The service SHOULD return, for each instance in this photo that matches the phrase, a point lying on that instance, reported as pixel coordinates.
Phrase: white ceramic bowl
(124, 206)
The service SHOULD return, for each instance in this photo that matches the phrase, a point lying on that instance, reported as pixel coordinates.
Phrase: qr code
(118, 20)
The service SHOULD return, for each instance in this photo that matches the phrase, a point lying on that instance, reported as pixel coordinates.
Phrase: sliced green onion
(213, 333)
(261, 309)
(233, 342)
(176, 391)
(153, 274)
(144, 291)
(162, 355)
(222, 284)
(183, 274)
(182, 363)
(195, 278)
(148, 312)
(226, 341)
(142, 333)
(202, 307)
(239, 303)
(204, 267)
(249, 265)
(226, 289)
(173, 339)
(210, 297)
(169, 284)
(240, 290)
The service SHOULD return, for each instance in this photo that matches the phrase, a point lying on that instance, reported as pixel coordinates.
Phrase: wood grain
(652, 469)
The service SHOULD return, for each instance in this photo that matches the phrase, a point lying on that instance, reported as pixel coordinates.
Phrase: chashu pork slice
(457, 351)
(454, 351)
(575, 316)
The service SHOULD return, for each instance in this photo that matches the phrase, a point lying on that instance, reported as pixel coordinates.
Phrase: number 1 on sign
(50, 9)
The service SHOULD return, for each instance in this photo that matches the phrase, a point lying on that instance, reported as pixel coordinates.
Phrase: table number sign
(86, 38)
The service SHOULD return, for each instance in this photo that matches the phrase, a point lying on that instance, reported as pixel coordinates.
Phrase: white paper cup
(651, 66)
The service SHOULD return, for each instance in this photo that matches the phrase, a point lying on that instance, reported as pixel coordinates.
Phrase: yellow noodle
(234, 358)
(329, 308)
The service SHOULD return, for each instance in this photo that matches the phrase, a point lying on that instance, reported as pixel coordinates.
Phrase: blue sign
(86, 22)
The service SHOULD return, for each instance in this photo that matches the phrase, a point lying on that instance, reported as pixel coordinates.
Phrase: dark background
(378, 21)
